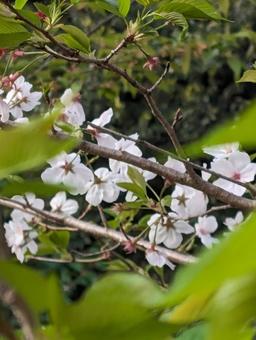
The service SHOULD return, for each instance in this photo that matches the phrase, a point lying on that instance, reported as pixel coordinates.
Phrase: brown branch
(158, 82)
(152, 147)
(171, 175)
(95, 230)
(20, 310)
(121, 45)
(71, 260)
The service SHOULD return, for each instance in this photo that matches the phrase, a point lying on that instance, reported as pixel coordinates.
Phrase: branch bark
(95, 230)
(171, 175)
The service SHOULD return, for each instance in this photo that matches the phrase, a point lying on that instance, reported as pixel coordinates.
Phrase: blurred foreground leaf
(231, 258)
(242, 130)
(29, 146)
(36, 186)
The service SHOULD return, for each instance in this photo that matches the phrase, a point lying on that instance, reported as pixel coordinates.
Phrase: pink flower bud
(129, 247)
(152, 63)
(41, 15)
(17, 54)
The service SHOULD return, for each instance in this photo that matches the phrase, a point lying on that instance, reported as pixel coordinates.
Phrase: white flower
(205, 175)
(59, 203)
(238, 167)
(127, 146)
(102, 188)
(20, 98)
(168, 230)
(103, 139)
(130, 196)
(175, 165)
(73, 110)
(20, 238)
(232, 223)
(4, 111)
(148, 175)
(221, 151)
(188, 202)
(205, 226)
(30, 200)
(68, 169)
(155, 258)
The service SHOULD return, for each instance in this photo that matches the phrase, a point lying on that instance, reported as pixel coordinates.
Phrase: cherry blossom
(20, 238)
(176, 165)
(238, 166)
(59, 203)
(103, 139)
(68, 169)
(152, 63)
(168, 230)
(102, 187)
(127, 146)
(73, 110)
(156, 259)
(30, 200)
(232, 223)
(205, 226)
(221, 151)
(4, 111)
(20, 98)
(188, 202)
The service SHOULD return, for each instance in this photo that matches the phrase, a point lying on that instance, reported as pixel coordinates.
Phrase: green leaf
(224, 262)
(232, 309)
(71, 42)
(29, 146)
(30, 16)
(192, 9)
(242, 130)
(79, 36)
(138, 191)
(110, 6)
(12, 34)
(30, 284)
(248, 77)
(36, 186)
(137, 178)
(42, 8)
(124, 7)
(175, 18)
(19, 4)
(60, 238)
(197, 332)
(124, 305)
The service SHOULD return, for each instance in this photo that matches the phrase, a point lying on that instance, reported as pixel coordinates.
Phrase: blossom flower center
(168, 223)
(237, 176)
(182, 199)
(68, 167)
(203, 231)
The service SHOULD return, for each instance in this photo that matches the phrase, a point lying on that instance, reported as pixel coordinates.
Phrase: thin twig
(71, 260)
(157, 83)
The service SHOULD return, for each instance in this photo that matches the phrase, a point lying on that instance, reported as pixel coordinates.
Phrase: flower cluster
(20, 231)
(173, 225)
(16, 98)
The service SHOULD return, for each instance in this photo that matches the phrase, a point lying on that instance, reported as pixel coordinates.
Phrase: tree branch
(170, 174)
(95, 230)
